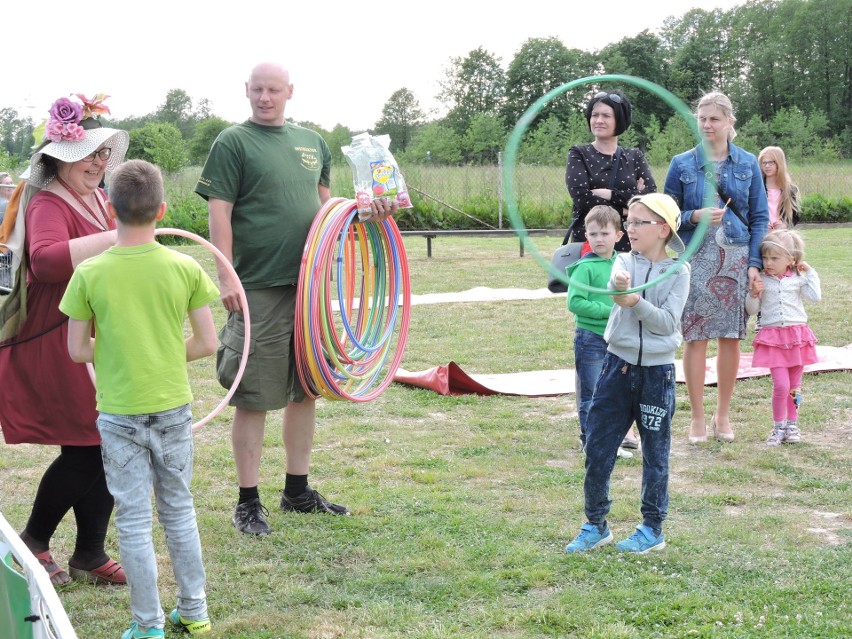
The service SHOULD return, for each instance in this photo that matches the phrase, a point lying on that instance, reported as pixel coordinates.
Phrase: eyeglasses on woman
(103, 154)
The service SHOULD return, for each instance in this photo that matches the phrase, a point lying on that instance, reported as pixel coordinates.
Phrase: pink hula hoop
(243, 302)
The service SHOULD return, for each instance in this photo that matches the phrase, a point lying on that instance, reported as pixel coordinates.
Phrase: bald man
(264, 181)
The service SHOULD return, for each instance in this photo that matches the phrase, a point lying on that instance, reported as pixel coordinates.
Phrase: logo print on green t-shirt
(308, 158)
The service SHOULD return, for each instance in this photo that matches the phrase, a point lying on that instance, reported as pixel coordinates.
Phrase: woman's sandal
(697, 439)
(57, 576)
(110, 572)
(722, 437)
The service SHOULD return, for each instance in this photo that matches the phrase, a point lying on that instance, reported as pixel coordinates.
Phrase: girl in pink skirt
(784, 344)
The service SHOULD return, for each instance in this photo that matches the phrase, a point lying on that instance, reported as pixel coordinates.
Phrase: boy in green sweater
(591, 310)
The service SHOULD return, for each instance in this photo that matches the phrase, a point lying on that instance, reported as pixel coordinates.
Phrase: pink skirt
(784, 346)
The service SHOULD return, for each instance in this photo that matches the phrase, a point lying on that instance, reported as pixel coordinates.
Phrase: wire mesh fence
(473, 196)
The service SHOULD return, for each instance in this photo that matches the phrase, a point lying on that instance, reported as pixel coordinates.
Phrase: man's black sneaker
(249, 518)
(311, 501)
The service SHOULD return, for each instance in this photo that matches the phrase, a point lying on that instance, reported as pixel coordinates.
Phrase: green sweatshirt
(591, 310)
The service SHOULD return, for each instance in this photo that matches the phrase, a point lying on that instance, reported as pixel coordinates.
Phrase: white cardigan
(780, 304)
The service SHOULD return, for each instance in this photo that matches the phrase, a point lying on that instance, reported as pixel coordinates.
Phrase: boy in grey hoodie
(638, 377)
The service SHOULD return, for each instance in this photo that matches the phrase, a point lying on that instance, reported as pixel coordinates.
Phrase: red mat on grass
(453, 380)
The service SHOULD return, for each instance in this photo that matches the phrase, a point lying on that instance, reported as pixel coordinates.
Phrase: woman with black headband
(603, 172)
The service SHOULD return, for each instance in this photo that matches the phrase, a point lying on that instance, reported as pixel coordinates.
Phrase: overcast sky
(346, 58)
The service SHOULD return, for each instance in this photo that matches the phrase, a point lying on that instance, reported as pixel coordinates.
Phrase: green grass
(463, 505)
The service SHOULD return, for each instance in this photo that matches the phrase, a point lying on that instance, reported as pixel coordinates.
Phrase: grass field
(462, 505)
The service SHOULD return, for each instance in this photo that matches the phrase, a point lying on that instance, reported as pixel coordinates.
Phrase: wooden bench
(431, 235)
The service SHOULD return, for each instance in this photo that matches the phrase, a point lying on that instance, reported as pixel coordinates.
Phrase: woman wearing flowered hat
(45, 398)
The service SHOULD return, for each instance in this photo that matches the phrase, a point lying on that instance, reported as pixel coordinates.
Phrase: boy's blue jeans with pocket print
(626, 393)
(142, 452)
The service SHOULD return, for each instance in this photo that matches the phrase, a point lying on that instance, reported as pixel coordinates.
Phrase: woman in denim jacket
(722, 182)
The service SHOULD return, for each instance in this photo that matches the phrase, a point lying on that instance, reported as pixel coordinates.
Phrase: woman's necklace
(100, 221)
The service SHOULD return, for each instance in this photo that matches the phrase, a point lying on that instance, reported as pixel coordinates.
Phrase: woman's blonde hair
(789, 192)
(723, 103)
(785, 241)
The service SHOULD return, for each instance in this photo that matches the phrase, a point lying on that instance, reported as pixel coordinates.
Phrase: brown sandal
(110, 572)
(58, 576)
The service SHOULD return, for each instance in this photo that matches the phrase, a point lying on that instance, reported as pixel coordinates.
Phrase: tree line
(787, 66)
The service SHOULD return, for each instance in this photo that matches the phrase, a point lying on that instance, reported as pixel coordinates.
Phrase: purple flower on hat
(66, 116)
(66, 112)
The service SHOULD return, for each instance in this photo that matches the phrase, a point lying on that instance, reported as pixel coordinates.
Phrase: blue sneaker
(642, 541)
(135, 632)
(589, 539)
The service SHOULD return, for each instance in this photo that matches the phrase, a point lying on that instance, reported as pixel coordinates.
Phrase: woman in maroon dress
(45, 398)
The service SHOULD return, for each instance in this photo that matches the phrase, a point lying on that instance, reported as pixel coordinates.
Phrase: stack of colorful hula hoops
(359, 270)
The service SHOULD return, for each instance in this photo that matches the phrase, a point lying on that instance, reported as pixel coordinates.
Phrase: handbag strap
(615, 168)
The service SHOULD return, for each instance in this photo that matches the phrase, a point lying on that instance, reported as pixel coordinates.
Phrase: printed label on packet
(384, 182)
(362, 203)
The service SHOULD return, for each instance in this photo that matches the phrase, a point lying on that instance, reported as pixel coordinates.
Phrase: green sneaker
(135, 632)
(197, 627)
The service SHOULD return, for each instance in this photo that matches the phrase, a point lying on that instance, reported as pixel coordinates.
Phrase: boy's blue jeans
(589, 351)
(626, 393)
(141, 452)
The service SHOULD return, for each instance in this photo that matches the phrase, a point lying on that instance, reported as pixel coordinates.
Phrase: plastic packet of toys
(375, 173)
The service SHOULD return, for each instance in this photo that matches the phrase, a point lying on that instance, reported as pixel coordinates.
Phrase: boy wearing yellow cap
(638, 377)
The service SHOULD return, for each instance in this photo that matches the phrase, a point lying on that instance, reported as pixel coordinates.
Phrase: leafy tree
(177, 109)
(676, 137)
(6, 162)
(484, 139)
(697, 42)
(161, 144)
(803, 134)
(472, 85)
(205, 133)
(16, 135)
(541, 65)
(202, 111)
(641, 56)
(754, 135)
(548, 144)
(820, 54)
(401, 116)
(132, 122)
(435, 142)
(336, 139)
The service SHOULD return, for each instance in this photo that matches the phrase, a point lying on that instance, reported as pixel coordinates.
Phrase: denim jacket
(740, 179)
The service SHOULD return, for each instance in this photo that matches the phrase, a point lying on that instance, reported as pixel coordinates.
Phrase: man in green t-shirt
(264, 181)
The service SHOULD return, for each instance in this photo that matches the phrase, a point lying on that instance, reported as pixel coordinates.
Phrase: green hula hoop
(510, 161)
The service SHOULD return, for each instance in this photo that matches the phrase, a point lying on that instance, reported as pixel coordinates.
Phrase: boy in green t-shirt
(591, 310)
(138, 294)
